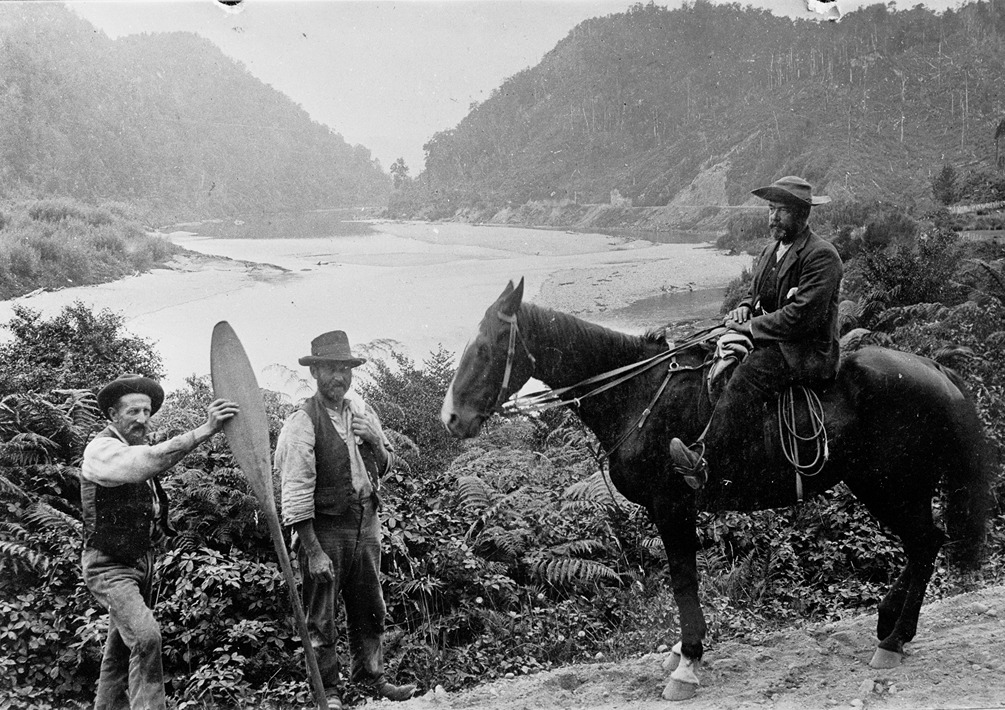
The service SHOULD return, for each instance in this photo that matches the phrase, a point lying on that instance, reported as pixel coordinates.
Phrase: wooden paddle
(248, 437)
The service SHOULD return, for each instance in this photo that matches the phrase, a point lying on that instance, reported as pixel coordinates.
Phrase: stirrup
(694, 474)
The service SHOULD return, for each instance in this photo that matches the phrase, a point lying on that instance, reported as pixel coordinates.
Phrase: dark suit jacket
(805, 324)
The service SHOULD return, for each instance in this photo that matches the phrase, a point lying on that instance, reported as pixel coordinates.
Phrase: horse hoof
(671, 662)
(885, 659)
(679, 690)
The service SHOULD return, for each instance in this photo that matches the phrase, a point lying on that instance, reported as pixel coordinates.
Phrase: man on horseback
(790, 314)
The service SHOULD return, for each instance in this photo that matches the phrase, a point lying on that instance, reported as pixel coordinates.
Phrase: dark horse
(899, 426)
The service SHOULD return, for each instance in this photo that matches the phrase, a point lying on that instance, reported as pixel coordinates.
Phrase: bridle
(514, 333)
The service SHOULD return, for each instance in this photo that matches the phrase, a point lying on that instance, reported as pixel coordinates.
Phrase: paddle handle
(313, 671)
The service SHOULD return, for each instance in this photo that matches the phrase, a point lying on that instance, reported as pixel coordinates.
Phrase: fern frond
(9, 489)
(81, 407)
(654, 546)
(577, 548)
(26, 449)
(512, 543)
(475, 494)
(18, 556)
(45, 516)
(595, 489)
(566, 571)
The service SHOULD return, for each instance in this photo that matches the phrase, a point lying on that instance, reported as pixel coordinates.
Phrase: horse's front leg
(676, 521)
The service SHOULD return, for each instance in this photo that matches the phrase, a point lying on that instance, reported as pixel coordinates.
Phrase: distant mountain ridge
(162, 120)
(683, 110)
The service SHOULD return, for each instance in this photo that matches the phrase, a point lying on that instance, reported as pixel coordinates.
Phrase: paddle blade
(248, 432)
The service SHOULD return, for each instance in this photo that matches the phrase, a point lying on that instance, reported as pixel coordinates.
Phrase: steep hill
(682, 109)
(164, 120)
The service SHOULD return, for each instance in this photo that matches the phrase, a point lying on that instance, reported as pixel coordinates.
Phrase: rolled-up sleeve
(110, 462)
(294, 460)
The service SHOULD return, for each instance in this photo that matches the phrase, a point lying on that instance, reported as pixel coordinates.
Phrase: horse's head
(492, 367)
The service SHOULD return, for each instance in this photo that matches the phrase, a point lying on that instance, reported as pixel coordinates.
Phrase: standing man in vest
(790, 314)
(125, 514)
(331, 454)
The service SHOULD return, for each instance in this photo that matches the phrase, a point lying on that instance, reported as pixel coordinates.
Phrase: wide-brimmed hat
(110, 394)
(791, 190)
(332, 346)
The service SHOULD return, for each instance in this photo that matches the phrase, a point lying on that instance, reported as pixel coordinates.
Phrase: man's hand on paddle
(220, 411)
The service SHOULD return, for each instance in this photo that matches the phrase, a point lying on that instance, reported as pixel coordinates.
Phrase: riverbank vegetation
(55, 243)
(504, 555)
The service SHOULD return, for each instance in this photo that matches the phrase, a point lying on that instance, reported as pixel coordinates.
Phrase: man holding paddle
(125, 514)
(331, 454)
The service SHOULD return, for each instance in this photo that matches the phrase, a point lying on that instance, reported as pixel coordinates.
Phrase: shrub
(914, 274)
(77, 348)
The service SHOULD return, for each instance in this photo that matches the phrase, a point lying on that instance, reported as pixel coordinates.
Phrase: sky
(386, 75)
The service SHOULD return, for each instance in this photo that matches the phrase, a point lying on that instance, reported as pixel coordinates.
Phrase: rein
(549, 399)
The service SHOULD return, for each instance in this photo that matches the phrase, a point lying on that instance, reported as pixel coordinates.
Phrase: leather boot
(389, 691)
(689, 464)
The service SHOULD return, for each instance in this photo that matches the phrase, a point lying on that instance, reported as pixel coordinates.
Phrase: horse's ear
(509, 301)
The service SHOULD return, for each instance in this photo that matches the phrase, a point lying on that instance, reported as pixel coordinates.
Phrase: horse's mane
(573, 328)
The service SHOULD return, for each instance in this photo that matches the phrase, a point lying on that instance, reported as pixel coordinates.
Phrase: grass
(56, 243)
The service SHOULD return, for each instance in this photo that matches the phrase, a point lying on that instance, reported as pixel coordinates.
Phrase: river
(413, 287)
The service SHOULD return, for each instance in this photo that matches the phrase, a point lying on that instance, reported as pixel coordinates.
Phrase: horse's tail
(967, 484)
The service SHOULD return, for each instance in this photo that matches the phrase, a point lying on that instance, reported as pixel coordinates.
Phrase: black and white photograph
(502, 354)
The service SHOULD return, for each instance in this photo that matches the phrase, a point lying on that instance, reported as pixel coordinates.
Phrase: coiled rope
(788, 428)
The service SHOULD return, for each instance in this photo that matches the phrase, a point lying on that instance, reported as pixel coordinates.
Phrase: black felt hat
(110, 394)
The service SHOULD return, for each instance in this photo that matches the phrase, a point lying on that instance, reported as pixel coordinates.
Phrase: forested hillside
(652, 100)
(164, 121)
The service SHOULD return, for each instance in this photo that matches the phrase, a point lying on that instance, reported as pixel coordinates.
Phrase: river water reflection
(413, 287)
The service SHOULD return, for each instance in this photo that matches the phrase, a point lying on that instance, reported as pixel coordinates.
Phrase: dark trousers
(352, 541)
(737, 424)
(131, 675)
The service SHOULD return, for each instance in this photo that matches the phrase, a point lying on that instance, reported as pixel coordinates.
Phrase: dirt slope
(956, 661)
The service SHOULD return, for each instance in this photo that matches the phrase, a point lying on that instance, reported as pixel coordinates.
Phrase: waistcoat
(118, 519)
(333, 491)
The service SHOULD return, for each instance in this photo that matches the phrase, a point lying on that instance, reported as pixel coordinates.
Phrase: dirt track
(956, 661)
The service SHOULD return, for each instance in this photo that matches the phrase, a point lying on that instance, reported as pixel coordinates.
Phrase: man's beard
(136, 434)
(780, 234)
(335, 390)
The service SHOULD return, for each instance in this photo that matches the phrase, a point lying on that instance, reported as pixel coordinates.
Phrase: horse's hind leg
(911, 520)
